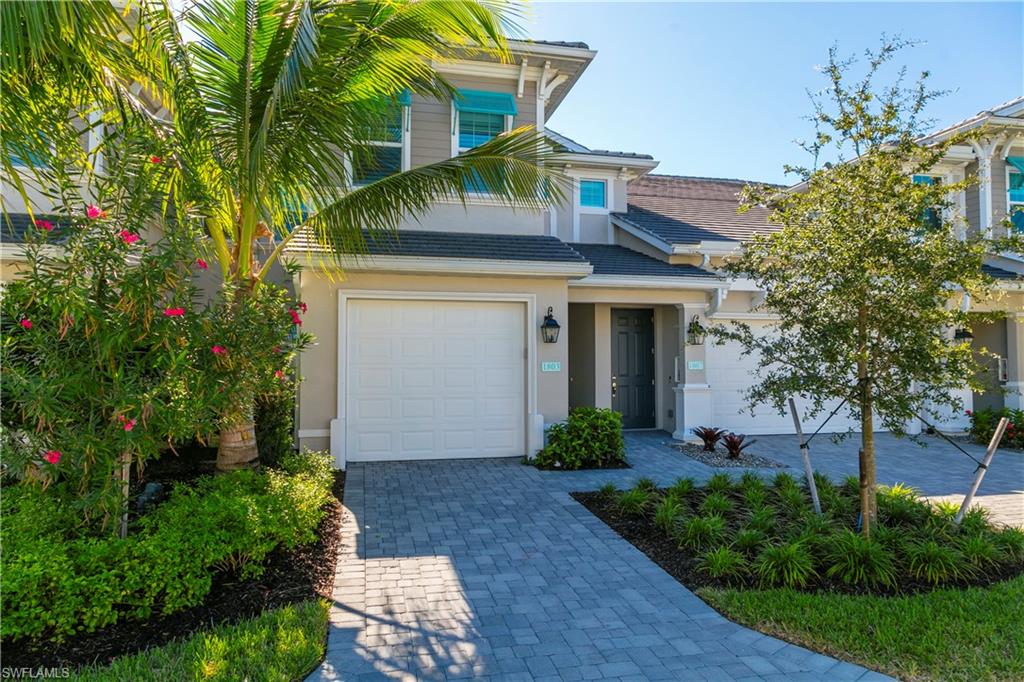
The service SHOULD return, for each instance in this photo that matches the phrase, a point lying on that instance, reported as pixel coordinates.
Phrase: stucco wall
(593, 228)
(319, 364)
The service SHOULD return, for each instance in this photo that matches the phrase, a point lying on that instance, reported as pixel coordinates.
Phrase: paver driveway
(488, 569)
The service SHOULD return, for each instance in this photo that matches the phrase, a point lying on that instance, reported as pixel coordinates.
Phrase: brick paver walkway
(487, 569)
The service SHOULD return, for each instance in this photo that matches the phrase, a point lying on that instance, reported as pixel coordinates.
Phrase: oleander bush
(591, 438)
(983, 425)
(61, 578)
(755, 534)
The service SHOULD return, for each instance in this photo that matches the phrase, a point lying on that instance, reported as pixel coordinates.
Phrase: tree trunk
(237, 449)
(868, 494)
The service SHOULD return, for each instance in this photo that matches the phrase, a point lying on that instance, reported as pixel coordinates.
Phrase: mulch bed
(290, 577)
(719, 458)
(681, 564)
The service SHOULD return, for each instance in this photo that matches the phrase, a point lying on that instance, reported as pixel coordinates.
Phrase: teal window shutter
(592, 193)
(483, 102)
(405, 98)
(1016, 188)
(931, 218)
(924, 180)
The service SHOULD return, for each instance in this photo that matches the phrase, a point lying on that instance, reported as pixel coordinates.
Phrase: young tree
(868, 270)
(263, 111)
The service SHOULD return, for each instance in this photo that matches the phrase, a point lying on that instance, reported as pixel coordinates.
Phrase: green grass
(949, 634)
(283, 644)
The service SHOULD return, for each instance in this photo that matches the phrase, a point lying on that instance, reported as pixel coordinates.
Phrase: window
(932, 217)
(385, 150)
(1015, 191)
(476, 128)
(479, 117)
(592, 193)
(22, 158)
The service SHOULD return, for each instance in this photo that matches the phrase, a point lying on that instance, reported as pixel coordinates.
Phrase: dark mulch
(720, 458)
(617, 465)
(681, 563)
(298, 575)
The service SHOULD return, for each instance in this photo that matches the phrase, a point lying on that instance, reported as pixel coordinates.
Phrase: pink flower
(968, 413)
(201, 264)
(174, 312)
(52, 456)
(295, 318)
(303, 307)
(44, 225)
(93, 212)
(26, 323)
(279, 374)
(218, 350)
(155, 159)
(129, 237)
(129, 424)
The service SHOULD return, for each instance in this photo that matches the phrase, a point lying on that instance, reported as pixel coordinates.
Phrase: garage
(730, 374)
(434, 379)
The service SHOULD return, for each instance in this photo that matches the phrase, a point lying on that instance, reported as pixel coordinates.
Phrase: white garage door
(730, 374)
(435, 379)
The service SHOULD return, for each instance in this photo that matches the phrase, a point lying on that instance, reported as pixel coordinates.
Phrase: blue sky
(719, 90)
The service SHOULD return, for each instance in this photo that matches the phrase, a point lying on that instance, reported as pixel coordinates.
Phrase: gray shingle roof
(570, 145)
(561, 43)
(429, 244)
(14, 226)
(612, 259)
(688, 210)
(999, 273)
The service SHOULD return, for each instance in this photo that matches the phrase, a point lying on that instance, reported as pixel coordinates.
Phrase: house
(432, 345)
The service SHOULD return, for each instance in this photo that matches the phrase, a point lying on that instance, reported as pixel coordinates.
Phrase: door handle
(615, 387)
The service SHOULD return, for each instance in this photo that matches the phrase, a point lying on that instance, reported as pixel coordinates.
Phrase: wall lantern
(695, 332)
(961, 335)
(549, 330)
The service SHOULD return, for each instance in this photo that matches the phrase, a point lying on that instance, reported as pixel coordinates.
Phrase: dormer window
(1015, 191)
(387, 148)
(593, 193)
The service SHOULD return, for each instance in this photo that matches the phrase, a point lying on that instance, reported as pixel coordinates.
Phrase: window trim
(593, 209)
(404, 144)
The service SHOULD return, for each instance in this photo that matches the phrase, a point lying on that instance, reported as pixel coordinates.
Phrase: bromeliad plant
(735, 444)
(264, 116)
(709, 435)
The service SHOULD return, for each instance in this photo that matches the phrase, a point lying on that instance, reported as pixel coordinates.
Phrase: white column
(984, 150)
(692, 393)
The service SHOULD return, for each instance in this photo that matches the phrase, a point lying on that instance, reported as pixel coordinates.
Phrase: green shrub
(857, 560)
(719, 483)
(1010, 542)
(814, 530)
(783, 481)
(646, 483)
(890, 537)
(275, 419)
(608, 490)
(749, 540)
(792, 499)
(851, 486)
(976, 520)
(749, 480)
(789, 564)
(762, 519)
(983, 425)
(634, 502)
(900, 505)
(698, 532)
(754, 498)
(667, 514)
(823, 483)
(682, 487)
(980, 551)
(716, 503)
(58, 581)
(722, 563)
(590, 439)
(935, 563)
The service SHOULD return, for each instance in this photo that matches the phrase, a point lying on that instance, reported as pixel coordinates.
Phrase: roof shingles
(613, 259)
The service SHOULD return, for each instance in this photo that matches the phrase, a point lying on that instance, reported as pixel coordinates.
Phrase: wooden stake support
(805, 454)
(993, 445)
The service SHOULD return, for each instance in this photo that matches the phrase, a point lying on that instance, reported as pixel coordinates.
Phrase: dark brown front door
(633, 366)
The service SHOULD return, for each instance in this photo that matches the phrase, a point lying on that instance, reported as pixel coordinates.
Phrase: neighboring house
(431, 346)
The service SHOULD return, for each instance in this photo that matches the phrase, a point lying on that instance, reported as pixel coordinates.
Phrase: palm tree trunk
(237, 449)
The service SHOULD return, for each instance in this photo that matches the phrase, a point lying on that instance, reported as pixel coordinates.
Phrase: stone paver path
(487, 569)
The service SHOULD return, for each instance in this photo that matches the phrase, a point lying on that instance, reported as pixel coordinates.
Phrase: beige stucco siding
(319, 364)
(593, 228)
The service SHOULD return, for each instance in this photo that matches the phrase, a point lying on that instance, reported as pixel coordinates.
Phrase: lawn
(949, 634)
(282, 644)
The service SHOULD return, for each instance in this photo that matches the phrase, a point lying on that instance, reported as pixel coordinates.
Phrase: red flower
(201, 264)
(218, 350)
(277, 349)
(129, 424)
(93, 212)
(129, 237)
(174, 312)
(44, 225)
(52, 456)
(968, 413)
(303, 307)
(279, 374)
(295, 318)
(26, 323)
(155, 159)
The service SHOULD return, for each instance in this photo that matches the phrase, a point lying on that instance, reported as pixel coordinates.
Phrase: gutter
(650, 282)
(455, 266)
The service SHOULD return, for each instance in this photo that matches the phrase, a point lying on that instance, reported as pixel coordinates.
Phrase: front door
(633, 366)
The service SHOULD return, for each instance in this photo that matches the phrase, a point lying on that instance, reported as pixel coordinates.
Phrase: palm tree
(263, 111)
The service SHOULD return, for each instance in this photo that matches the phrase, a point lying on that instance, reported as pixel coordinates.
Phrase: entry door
(633, 366)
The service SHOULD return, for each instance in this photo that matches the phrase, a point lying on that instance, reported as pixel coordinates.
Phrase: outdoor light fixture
(549, 330)
(695, 332)
(962, 334)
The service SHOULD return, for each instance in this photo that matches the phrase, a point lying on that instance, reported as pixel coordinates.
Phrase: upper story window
(593, 193)
(932, 217)
(1015, 190)
(386, 151)
(22, 158)
(478, 117)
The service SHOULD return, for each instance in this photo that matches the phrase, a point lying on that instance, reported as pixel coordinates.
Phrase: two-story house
(440, 344)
